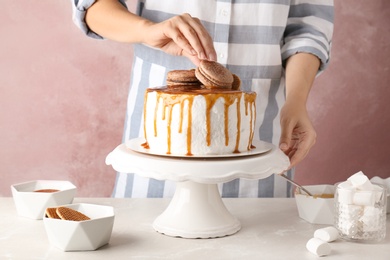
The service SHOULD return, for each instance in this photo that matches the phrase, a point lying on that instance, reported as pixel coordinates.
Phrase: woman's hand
(298, 135)
(182, 35)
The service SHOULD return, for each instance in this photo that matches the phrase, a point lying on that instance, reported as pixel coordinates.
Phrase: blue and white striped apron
(252, 39)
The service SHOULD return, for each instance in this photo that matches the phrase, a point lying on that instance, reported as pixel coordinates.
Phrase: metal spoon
(296, 184)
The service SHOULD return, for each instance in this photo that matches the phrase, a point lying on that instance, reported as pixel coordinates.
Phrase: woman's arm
(298, 134)
(305, 52)
(181, 35)
(112, 20)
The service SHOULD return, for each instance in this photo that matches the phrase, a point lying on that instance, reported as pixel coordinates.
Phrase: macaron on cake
(182, 78)
(214, 75)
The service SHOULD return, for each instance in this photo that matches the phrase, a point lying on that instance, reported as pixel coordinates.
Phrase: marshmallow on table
(327, 234)
(318, 247)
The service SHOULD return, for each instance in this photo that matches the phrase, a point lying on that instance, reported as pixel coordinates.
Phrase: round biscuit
(71, 214)
(52, 213)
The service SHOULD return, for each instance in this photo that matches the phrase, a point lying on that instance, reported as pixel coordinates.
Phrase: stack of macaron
(209, 75)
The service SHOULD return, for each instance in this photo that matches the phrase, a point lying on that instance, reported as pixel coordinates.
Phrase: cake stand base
(196, 211)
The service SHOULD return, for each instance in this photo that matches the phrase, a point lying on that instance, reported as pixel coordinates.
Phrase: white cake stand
(196, 209)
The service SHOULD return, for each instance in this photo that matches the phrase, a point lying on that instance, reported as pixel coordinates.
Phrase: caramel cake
(196, 119)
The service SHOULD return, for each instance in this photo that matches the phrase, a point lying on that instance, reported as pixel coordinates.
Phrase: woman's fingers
(199, 38)
(185, 35)
(301, 144)
(180, 33)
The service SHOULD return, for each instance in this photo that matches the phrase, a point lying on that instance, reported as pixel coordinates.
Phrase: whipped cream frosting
(198, 121)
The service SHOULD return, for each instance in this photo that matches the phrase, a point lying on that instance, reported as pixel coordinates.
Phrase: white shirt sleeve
(309, 29)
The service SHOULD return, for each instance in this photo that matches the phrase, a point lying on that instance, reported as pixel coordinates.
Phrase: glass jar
(360, 216)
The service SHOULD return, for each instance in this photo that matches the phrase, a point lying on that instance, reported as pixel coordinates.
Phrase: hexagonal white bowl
(81, 235)
(314, 209)
(32, 204)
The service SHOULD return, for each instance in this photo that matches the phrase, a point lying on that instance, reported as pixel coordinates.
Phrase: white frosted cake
(200, 112)
(198, 121)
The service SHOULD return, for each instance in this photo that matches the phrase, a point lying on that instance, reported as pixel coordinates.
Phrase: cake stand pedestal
(196, 209)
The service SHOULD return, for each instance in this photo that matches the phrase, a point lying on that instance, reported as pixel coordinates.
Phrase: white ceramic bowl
(81, 235)
(316, 209)
(31, 204)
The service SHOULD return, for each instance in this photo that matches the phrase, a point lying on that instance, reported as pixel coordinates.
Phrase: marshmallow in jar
(360, 213)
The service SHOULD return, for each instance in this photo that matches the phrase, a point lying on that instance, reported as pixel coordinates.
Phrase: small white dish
(319, 208)
(32, 204)
(260, 147)
(385, 183)
(81, 235)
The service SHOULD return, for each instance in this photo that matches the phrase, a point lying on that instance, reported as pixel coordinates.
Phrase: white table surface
(271, 229)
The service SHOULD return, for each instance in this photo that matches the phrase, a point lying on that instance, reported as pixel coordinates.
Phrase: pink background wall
(63, 98)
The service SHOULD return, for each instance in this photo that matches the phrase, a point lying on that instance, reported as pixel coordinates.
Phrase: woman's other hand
(298, 135)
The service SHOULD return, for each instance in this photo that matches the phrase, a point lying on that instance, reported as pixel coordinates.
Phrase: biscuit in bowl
(86, 235)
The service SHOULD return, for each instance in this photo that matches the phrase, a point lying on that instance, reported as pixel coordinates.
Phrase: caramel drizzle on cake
(229, 100)
(170, 98)
(250, 102)
(169, 101)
